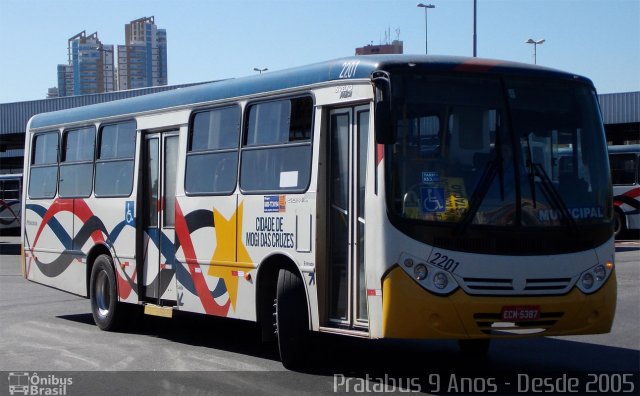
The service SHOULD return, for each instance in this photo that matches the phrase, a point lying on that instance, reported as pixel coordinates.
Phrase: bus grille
(552, 284)
(488, 284)
(492, 324)
(509, 286)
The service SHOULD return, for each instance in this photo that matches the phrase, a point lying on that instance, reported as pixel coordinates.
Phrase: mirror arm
(384, 133)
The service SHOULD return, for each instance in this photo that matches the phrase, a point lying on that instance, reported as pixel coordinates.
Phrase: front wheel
(103, 294)
(292, 319)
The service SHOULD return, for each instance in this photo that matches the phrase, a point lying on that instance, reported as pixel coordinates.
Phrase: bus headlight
(600, 272)
(420, 271)
(429, 276)
(592, 279)
(587, 280)
(440, 280)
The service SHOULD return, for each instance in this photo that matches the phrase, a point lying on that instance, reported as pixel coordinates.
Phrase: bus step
(155, 310)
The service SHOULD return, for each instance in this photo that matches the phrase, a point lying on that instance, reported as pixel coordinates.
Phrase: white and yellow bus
(410, 197)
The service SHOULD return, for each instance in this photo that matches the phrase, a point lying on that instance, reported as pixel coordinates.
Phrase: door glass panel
(363, 140)
(339, 219)
(170, 171)
(151, 183)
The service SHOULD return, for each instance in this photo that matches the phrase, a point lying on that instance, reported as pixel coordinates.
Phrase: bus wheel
(104, 297)
(476, 348)
(618, 223)
(291, 319)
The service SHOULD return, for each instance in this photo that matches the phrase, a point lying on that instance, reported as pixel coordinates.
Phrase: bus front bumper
(409, 311)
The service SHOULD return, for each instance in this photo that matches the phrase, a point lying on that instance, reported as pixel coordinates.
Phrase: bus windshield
(489, 151)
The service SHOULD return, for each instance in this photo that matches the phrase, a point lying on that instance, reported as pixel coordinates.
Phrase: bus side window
(623, 168)
(115, 159)
(212, 156)
(43, 176)
(76, 163)
(276, 153)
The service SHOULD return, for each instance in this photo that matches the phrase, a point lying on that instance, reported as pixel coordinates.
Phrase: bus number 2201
(349, 69)
(443, 261)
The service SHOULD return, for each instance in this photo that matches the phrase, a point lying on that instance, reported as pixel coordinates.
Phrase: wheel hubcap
(103, 295)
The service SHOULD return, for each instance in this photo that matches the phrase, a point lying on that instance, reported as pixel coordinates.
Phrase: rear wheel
(292, 319)
(103, 293)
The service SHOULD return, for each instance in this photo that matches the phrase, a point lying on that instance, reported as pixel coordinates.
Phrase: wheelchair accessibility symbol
(432, 199)
(129, 212)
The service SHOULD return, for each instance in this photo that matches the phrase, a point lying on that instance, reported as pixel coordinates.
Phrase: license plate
(520, 313)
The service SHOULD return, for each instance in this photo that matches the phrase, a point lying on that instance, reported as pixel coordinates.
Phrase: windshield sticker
(444, 200)
(430, 177)
(432, 199)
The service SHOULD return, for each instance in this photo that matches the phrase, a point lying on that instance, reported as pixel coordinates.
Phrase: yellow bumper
(409, 311)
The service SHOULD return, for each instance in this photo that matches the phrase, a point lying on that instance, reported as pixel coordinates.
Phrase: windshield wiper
(489, 173)
(531, 173)
(552, 195)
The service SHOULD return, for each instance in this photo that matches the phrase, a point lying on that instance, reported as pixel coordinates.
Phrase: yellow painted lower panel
(409, 311)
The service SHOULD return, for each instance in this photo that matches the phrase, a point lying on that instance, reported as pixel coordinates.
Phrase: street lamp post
(426, 31)
(535, 45)
(475, 37)
(260, 70)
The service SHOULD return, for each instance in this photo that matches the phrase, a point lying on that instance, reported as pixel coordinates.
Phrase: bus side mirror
(383, 123)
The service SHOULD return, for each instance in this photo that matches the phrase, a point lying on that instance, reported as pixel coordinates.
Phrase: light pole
(260, 70)
(535, 45)
(475, 52)
(426, 31)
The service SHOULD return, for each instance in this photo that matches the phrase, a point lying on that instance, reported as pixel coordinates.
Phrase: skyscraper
(142, 61)
(90, 67)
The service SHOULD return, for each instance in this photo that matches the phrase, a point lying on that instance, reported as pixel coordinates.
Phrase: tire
(106, 310)
(474, 348)
(292, 320)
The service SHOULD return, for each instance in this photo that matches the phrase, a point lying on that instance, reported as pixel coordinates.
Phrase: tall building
(65, 80)
(142, 61)
(90, 68)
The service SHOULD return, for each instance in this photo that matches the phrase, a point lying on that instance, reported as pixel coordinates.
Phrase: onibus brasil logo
(21, 383)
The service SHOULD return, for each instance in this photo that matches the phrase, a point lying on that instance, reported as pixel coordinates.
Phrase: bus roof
(286, 79)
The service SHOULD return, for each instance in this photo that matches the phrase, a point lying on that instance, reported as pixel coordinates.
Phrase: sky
(217, 39)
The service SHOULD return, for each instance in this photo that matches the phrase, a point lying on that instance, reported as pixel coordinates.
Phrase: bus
(381, 197)
(10, 207)
(625, 171)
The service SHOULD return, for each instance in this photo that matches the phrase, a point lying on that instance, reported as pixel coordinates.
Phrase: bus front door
(348, 142)
(159, 169)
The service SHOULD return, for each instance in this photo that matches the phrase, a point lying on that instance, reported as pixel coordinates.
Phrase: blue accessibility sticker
(129, 212)
(432, 200)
